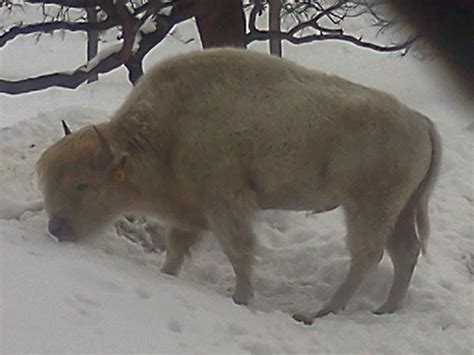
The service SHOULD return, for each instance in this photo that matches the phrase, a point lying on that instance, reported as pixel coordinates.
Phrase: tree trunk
(220, 23)
(92, 39)
(274, 25)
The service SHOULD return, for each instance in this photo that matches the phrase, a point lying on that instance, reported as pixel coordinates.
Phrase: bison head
(82, 181)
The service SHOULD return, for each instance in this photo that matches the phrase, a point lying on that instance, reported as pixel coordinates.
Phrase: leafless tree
(304, 21)
(142, 24)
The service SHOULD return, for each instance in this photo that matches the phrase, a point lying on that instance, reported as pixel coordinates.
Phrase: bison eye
(81, 187)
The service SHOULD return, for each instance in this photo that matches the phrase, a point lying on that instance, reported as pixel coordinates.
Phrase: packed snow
(108, 296)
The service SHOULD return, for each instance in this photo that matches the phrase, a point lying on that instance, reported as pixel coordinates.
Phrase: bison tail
(425, 188)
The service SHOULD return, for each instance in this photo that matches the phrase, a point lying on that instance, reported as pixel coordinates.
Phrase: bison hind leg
(403, 247)
(368, 225)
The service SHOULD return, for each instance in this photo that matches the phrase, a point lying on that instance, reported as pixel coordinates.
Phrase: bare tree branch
(54, 26)
(152, 7)
(69, 3)
(65, 80)
(150, 40)
(265, 35)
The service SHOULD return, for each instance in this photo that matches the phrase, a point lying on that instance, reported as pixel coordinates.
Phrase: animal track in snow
(257, 348)
(143, 293)
(236, 330)
(174, 326)
(84, 305)
(86, 300)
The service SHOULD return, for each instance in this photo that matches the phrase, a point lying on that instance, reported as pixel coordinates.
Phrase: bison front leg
(232, 228)
(178, 243)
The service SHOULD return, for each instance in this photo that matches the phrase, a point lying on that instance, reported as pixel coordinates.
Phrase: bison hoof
(309, 319)
(240, 302)
(301, 318)
(385, 309)
(242, 297)
(324, 312)
(173, 271)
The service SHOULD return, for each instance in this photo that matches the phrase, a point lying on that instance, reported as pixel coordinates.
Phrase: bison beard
(209, 138)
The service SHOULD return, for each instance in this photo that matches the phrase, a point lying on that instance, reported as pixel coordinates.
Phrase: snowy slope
(109, 297)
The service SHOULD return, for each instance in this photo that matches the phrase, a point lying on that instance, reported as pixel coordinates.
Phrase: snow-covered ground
(109, 296)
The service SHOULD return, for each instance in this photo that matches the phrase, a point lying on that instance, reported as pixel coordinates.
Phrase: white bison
(208, 138)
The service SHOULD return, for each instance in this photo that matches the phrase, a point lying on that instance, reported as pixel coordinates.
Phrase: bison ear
(105, 156)
(118, 168)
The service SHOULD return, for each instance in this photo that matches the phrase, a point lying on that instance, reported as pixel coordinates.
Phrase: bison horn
(66, 129)
(105, 155)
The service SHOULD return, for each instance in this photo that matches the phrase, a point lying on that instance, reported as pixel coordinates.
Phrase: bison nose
(59, 228)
